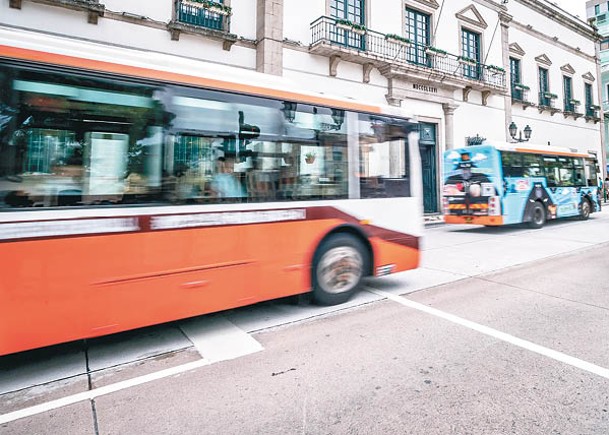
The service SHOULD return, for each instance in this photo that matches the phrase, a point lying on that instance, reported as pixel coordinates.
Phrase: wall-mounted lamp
(513, 128)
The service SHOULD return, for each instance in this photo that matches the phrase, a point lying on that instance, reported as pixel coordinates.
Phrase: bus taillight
(494, 206)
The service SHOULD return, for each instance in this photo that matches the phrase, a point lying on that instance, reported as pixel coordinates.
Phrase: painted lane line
(101, 391)
(541, 350)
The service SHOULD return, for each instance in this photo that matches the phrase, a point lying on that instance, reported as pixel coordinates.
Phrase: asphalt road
(516, 349)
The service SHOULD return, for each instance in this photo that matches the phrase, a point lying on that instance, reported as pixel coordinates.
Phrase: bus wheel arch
(341, 260)
(536, 214)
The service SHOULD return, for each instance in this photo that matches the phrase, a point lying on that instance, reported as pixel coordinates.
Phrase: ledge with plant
(350, 25)
(521, 87)
(397, 38)
(434, 51)
(550, 95)
(468, 60)
(495, 68)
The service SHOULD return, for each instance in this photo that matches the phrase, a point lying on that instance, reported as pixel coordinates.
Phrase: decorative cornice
(542, 36)
(478, 21)
(567, 69)
(429, 3)
(588, 76)
(516, 49)
(543, 59)
(561, 18)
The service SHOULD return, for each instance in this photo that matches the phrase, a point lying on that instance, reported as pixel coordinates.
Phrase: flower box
(359, 29)
(594, 107)
(495, 69)
(468, 61)
(433, 51)
(550, 95)
(521, 87)
(397, 39)
(574, 102)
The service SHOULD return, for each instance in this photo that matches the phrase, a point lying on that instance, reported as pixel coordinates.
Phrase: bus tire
(340, 263)
(538, 216)
(585, 208)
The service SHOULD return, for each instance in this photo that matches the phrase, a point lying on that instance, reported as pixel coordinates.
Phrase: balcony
(546, 103)
(592, 114)
(520, 95)
(206, 18)
(400, 58)
(570, 109)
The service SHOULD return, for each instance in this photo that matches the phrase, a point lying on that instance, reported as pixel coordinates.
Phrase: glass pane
(72, 140)
(383, 157)
(532, 165)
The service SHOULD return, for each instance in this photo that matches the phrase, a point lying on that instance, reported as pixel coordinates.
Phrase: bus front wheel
(585, 210)
(338, 268)
(538, 216)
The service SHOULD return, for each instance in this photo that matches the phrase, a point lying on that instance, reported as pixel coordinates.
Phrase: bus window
(383, 158)
(565, 171)
(512, 164)
(590, 169)
(532, 165)
(552, 172)
(73, 140)
(580, 176)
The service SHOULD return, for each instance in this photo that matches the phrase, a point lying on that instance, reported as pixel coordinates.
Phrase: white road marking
(101, 391)
(541, 350)
(215, 338)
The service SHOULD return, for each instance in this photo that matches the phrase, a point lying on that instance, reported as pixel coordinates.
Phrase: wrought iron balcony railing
(379, 46)
(196, 14)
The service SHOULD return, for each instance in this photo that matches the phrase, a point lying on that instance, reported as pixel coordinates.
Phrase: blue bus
(507, 184)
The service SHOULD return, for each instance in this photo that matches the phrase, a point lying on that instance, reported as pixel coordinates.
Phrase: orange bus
(139, 189)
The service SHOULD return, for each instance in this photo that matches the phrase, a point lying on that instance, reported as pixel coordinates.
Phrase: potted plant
(392, 37)
(433, 51)
(468, 60)
(343, 24)
(309, 158)
(495, 69)
(359, 29)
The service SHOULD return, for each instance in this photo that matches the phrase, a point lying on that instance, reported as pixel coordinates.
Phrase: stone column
(269, 36)
(505, 51)
(449, 124)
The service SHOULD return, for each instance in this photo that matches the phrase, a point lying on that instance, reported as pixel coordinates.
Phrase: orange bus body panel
(67, 288)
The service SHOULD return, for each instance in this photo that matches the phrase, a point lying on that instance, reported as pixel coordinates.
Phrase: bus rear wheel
(538, 216)
(338, 268)
(585, 209)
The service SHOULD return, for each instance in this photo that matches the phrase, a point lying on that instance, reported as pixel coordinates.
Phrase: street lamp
(513, 128)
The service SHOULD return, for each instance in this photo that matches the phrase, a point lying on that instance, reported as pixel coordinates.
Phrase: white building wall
(487, 117)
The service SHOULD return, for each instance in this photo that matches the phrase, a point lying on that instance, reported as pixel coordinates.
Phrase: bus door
(524, 180)
(564, 195)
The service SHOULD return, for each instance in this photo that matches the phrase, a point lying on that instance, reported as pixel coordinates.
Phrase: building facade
(466, 69)
(597, 12)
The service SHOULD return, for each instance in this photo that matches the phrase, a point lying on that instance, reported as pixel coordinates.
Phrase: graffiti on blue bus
(500, 185)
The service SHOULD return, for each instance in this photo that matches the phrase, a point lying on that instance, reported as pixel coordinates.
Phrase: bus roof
(538, 149)
(25, 45)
